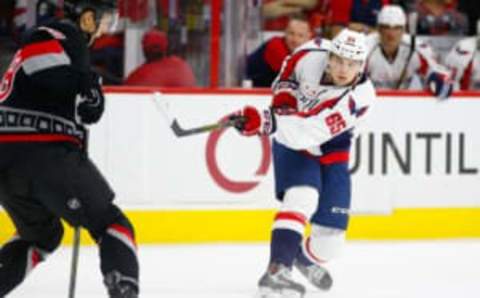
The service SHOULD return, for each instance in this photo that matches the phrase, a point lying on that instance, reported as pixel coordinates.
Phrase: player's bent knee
(300, 199)
(50, 238)
(324, 243)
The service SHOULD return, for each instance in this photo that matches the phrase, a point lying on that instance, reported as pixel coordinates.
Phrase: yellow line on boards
(203, 226)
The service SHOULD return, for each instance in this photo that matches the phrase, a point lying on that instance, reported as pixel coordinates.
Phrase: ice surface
(440, 269)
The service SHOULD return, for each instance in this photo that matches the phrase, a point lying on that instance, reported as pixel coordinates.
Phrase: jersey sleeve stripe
(467, 76)
(42, 48)
(44, 55)
(423, 65)
(39, 63)
(291, 63)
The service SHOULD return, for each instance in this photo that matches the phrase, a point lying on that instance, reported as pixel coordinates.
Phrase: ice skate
(118, 287)
(278, 283)
(315, 274)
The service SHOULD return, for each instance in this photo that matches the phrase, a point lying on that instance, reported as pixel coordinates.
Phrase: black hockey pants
(45, 182)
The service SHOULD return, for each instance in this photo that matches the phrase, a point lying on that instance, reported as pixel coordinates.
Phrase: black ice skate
(315, 274)
(120, 286)
(277, 282)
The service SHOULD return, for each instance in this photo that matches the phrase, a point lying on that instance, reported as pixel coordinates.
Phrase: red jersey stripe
(42, 48)
(334, 157)
(291, 63)
(124, 231)
(423, 65)
(329, 103)
(467, 76)
(295, 216)
(11, 138)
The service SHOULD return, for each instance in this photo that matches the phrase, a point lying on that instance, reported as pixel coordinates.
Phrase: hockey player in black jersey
(47, 96)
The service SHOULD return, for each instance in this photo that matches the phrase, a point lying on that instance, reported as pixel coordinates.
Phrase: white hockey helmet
(350, 44)
(392, 15)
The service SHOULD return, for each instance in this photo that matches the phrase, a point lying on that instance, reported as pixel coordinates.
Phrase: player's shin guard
(119, 263)
(298, 205)
(323, 244)
(17, 259)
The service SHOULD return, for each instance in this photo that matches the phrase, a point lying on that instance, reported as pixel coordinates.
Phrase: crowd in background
(172, 46)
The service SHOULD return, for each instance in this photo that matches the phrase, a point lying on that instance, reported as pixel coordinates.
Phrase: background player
(319, 96)
(46, 97)
(396, 58)
(464, 62)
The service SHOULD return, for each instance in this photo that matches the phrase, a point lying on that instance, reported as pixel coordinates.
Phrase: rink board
(231, 226)
(415, 168)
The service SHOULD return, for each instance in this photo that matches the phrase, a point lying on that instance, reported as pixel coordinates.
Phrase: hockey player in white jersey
(319, 97)
(464, 62)
(395, 58)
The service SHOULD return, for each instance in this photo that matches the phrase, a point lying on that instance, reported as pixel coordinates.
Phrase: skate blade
(286, 293)
(267, 293)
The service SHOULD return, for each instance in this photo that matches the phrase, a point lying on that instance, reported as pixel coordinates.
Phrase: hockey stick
(74, 265)
(412, 24)
(76, 238)
(179, 131)
(183, 132)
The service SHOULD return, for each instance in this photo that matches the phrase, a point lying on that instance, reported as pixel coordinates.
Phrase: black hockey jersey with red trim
(38, 92)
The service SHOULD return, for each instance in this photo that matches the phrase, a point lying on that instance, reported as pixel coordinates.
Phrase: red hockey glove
(250, 121)
(284, 102)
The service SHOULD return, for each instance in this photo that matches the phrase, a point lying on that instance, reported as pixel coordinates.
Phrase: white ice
(439, 269)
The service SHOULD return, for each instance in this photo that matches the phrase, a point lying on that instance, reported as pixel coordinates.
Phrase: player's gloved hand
(250, 121)
(440, 85)
(284, 102)
(91, 101)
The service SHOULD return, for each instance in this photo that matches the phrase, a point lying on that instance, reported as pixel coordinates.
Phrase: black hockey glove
(91, 101)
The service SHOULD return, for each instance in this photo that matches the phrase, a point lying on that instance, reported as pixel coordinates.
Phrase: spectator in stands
(45, 11)
(464, 62)
(277, 12)
(395, 58)
(439, 17)
(7, 46)
(358, 15)
(107, 57)
(6, 16)
(107, 51)
(407, 5)
(264, 64)
(471, 10)
(160, 70)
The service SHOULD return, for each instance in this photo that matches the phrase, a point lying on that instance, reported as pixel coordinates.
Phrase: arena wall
(415, 167)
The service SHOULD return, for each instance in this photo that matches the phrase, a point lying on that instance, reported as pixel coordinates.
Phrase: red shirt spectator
(438, 17)
(264, 64)
(358, 15)
(160, 70)
(278, 12)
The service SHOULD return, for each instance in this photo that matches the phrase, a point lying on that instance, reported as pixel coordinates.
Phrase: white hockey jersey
(464, 62)
(386, 74)
(326, 113)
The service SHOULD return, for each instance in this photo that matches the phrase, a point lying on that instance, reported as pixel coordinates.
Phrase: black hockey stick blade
(183, 132)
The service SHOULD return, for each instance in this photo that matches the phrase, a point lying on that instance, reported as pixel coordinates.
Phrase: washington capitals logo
(352, 105)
